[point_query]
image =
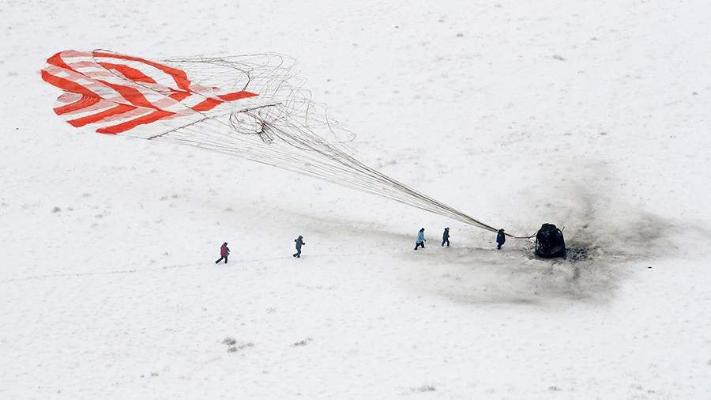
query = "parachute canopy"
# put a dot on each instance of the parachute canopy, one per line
(246, 106)
(117, 93)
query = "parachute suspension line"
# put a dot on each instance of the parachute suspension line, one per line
(297, 149)
(282, 134)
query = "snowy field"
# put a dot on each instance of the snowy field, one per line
(593, 115)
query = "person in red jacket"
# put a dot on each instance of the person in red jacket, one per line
(224, 252)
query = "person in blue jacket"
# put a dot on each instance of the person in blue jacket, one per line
(500, 239)
(420, 242)
(299, 242)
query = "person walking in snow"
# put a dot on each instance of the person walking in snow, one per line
(445, 237)
(500, 239)
(420, 242)
(224, 252)
(299, 242)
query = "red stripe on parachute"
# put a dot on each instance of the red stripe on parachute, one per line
(118, 92)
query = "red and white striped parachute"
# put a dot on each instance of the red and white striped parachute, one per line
(117, 93)
(246, 106)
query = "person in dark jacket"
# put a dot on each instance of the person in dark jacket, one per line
(299, 242)
(445, 237)
(500, 239)
(420, 242)
(224, 252)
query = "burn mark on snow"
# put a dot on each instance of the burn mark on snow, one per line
(606, 238)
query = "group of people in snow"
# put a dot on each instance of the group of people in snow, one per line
(419, 242)
(225, 251)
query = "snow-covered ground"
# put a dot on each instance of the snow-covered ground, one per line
(592, 115)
